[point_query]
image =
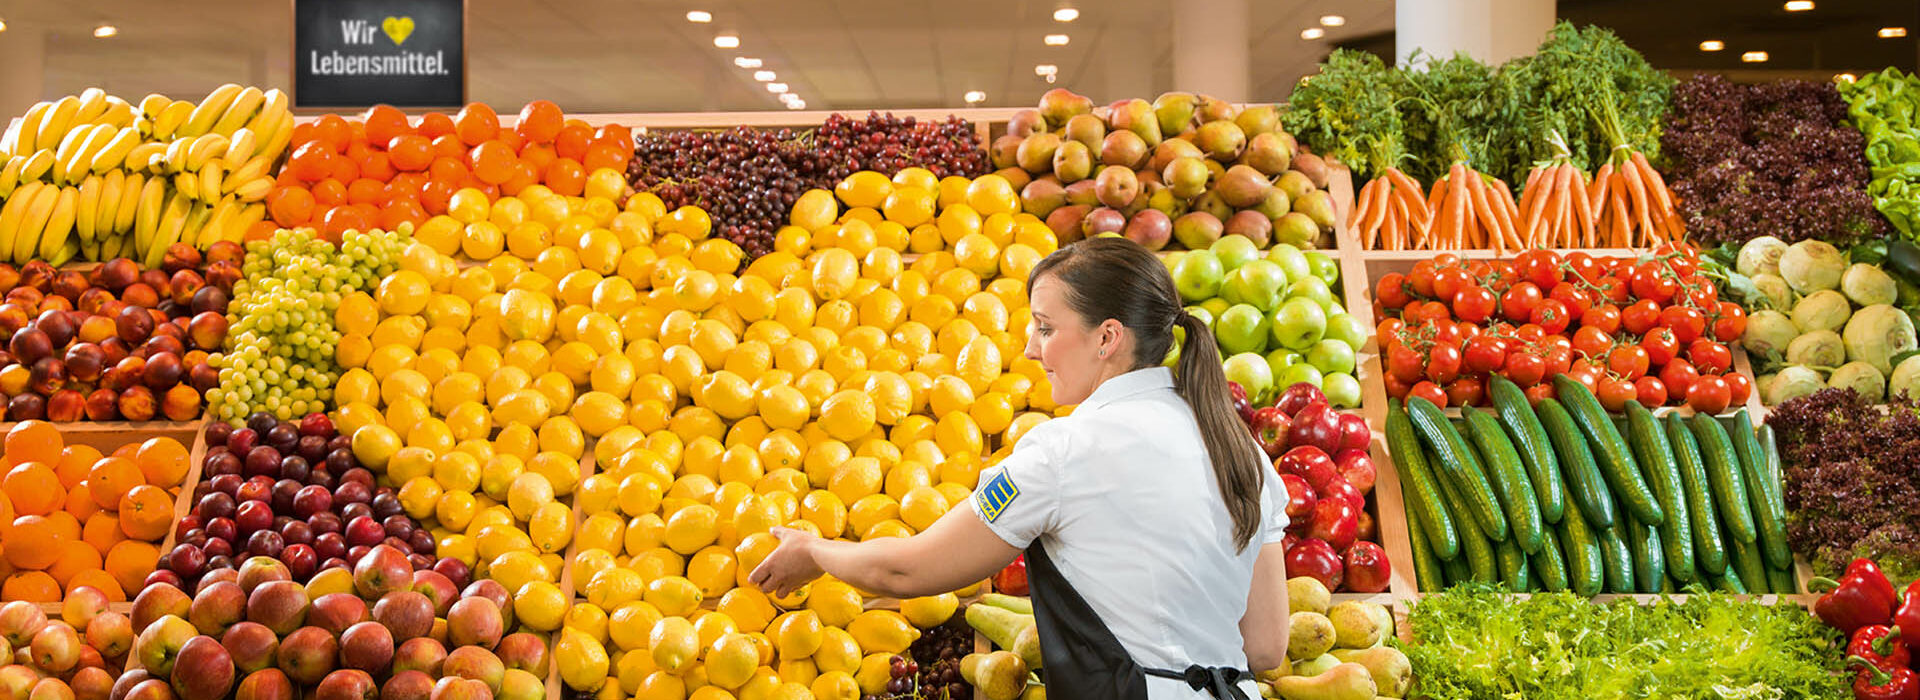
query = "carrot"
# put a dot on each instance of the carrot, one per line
(1405, 188)
(1507, 211)
(1365, 228)
(1527, 195)
(1461, 208)
(1563, 215)
(1535, 207)
(1621, 222)
(1401, 212)
(1395, 220)
(1583, 213)
(1377, 206)
(1597, 190)
(1483, 208)
(1656, 185)
(1637, 190)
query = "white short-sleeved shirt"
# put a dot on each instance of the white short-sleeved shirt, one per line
(1123, 495)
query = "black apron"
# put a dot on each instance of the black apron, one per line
(1084, 661)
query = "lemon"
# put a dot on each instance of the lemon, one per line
(797, 634)
(673, 595)
(930, 611)
(590, 563)
(731, 660)
(657, 563)
(551, 527)
(836, 602)
(872, 510)
(835, 685)
(418, 496)
(957, 434)
(865, 188)
(712, 570)
(692, 528)
(748, 608)
(517, 569)
(582, 660)
(661, 685)
(630, 623)
(588, 619)
(374, 445)
(614, 588)
(527, 494)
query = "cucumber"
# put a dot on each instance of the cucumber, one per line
(1509, 479)
(1709, 553)
(1585, 487)
(1550, 565)
(1455, 460)
(1426, 568)
(1530, 438)
(1649, 563)
(1618, 558)
(1769, 513)
(1513, 565)
(1585, 563)
(1655, 455)
(1473, 544)
(1772, 451)
(1723, 473)
(1456, 572)
(1747, 559)
(1609, 450)
(1423, 495)
(1781, 581)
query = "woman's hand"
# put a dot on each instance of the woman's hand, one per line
(790, 566)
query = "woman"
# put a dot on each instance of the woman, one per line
(1152, 537)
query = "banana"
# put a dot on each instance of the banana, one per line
(14, 212)
(10, 176)
(273, 106)
(281, 137)
(64, 155)
(144, 156)
(110, 192)
(204, 149)
(252, 214)
(114, 154)
(55, 123)
(253, 168)
(210, 232)
(147, 216)
(26, 240)
(171, 225)
(82, 162)
(91, 249)
(24, 132)
(241, 146)
(119, 113)
(169, 120)
(244, 106)
(152, 105)
(209, 110)
(130, 196)
(210, 177)
(93, 103)
(37, 165)
(65, 254)
(60, 227)
(252, 190)
(187, 184)
(86, 216)
(176, 158)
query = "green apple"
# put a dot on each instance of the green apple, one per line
(1324, 266)
(1203, 313)
(1197, 276)
(1172, 360)
(1234, 251)
(1291, 260)
(1331, 356)
(1281, 358)
(1296, 374)
(1347, 329)
(1171, 258)
(1335, 309)
(1342, 390)
(1298, 324)
(1259, 282)
(1311, 288)
(1216, 306)
(1242, 329)
(1250, 371)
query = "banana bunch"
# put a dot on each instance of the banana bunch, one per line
(91, 175)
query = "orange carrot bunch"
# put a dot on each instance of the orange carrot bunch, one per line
(1625, 204)
(1464, 209)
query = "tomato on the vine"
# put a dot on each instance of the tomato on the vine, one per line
(1591, 342)
(1530, 332)
(1731, 324)
(1443, 363)
(1710, 357)
(1389, 327)
(1577, 301)
(1679, 376)
(1628, 361)
(1448, 283)
(1614, 289)
(1467, 391)
(1641, 317)
(1475, 304)
(1551, 316)
(1687, 323)
(1539, 391)
(1431, 392)
(1420, 278)
(1710, 394)
(1614, 393)
(1678, 258)
(1585, 267)
(1449, 333)
(1396, 388)
(1484, 354)
(1650, 391)
(1391, 290)
(1702, 294)
(1605, 317)
(1519, 302)
(1407, 365)
(1661, 345)
(1740, 387)
(1650, 282)
(1524, 369)
(1421, 313)
(1589, 377)
(1559, 360)
(1541, 267)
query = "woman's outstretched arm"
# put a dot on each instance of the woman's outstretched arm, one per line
(958, 550)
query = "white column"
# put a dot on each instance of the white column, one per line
(23, 50)
(1489, 30)
(1210, 50)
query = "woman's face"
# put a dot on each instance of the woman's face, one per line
(1069, 348)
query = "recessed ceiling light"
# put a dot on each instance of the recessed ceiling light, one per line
(1332, 21)
(1057, 39)
(1754, 57)
(699, 16)
(1846, 77)
(745, 62)
(1066, 14)
(1892, 32)
(1799, 5)
(763, 75)
(797, 104)
(3, 25)
(1712, 45)
(776, 87)
(976, 96)
(1046, 69)
(105, 30)
(1311, 33)
(727, 41)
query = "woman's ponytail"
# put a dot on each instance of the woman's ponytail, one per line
(1238, 465)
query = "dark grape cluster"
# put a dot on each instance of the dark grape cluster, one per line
(931, 670)
(747, 179)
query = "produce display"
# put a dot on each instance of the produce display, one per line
(1337, 650)
(1321, 457)
(1820, 322)
(1476, 642)
(1849, 492)
(79, 519)
(93, 177)
(1884, 106)
(78, 652)
(1650, 328)
(1185, 169)
(1274, 317)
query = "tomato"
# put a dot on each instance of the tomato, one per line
(1421, 278)
(1679, 376)
(1443, 362)
(1539, 391)
(1710, 395)
(1406, 364)
(1731, 324)
(1448, 283)
(1710, 357)
(1449, 333)
(1518, 303)
(1425, 312)
(1628, 361)
(1524, 369)
(1576, 300)
(1650, 391)
(1661, 346)
(1641, 317)
(1484, 354)
(1703, 295)
(1585, 267)
(1589, 377)
(1429, 391)
(1591, 342)
(1392, 290)
(1474, 304)
(1469, 331)
(1467, 391)
(1543, 269)
(1551, 316)
(1556, 342)
(1740, 386)
(1396, 388)
(1650, 282)
(1531, 333)
(1605, 317)
(1687, 323)
(1559, 360)
(1613, 289)
(1389, 328)
(1615, 393)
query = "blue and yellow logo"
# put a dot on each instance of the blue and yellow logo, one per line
(998, 493)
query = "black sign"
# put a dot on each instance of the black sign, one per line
(358, 53)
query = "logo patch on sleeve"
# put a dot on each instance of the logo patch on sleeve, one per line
(996, 496)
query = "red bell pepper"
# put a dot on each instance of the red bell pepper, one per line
(1874, 683)
(1881, 646)
(1863, 596)
(1907, 618)
(1012, 580)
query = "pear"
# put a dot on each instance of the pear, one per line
(1083, 192)
(1102, 220)
(1389, 668)
(1258, 120)
(1186, 176)
(1197, 230)
(1211, 203)
(1036, 151)
(1116, 186)
(1087, 129)
(1015, 176)
(1342, 682)
(1000, 675)
(1170, 149)
(1355, 627)
(1309, 634)
(1151, 228)
(1161, 199)
(1060, 104)
(1136, 116)
(1267, 153)
(1318, 206)
(1043, 195)
(1295, 184)
(1315, 666)
(1026, 122)
(1276, 204)
(1123, 148)
(1243, 187)
(1222, 141)
(1065, 222)
(1072, 162)
(1296, 230)
(1174, 110)
(1308, 594)
(1213, 109)
(1006, 151)
(1314, 167)
(1252, 225)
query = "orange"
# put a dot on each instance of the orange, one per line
(493, 162)
(34, 489)
(99, 578)
(75, 462)
(145, 513)
(476, 123)
(384, 122)
(540, 121)
(80, 501)
(75, 557)
(130, 561)
(111, 479)
(34, 441)
(65, 525)
(6, 513)
(411, 153)
(565, 176)
(573, 140)
(163, 461)
(434, 124)
(34, 543)
(102, 531)
(30, 586)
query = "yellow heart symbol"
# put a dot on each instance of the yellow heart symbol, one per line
(398, 29)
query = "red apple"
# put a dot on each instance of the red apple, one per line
(1354, 433)
(523, 651)
(266, 684)
(1334, 520)
(1356, 466)
(367, 646)
(160, 643)
(1300, 498)
(308, 655)
(384, 570)
(1317, 425)
(281, 606)
(1310, 463)
(477, 664)
(1296, 398)
(217, 607)
(1270, 427)
(347, 684)
(1367, 569)
(204, 670)
(1316, 559)
(438, 589)
(151, 689)
(1339, 488)
(425, 654)
(111, 633)
(20, 620)
(56, 648)
(406, 614)
(251, 645)
(335, 612)
(155, 602)
(475, 621)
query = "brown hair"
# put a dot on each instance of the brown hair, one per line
(1115, 278)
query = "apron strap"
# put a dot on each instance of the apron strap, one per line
(1220, 682)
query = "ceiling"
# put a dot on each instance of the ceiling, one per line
(643, 56)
